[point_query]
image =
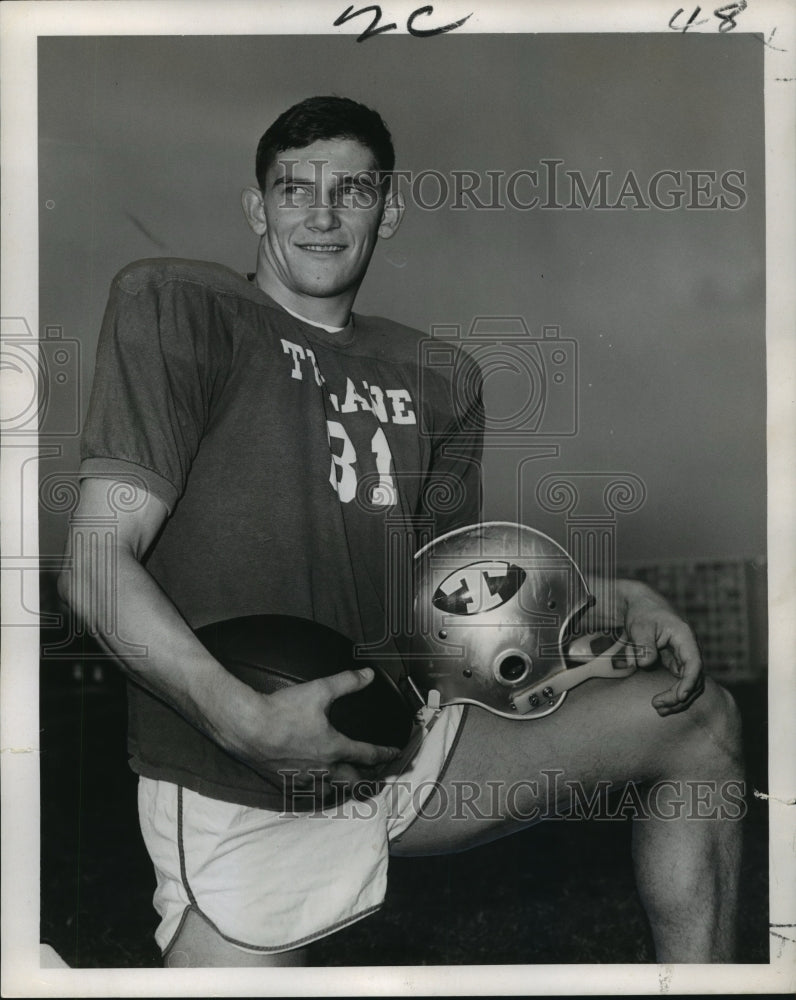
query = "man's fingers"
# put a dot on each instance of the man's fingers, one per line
(355, 751)
(666, 700)
(348, 681)
(687, 665)
(644, 648)
(695, 692)
(676, 698)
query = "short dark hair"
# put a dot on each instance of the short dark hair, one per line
(325, 118)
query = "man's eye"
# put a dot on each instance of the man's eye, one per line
(297, 192)
(355, 195)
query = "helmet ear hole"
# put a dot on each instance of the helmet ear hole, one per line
(513, 667)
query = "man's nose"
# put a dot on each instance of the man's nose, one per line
(322, 217)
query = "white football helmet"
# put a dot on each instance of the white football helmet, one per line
(496, 611)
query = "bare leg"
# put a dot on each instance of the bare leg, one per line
(198, 945)
(506, 774)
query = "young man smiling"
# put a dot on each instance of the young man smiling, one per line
(319, 212)
(266, 435)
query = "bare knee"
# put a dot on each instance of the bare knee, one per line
(713, 734)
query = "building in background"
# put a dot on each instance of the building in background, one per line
(725, 602)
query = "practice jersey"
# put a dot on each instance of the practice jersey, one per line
(297, 466)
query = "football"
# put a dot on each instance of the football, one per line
(269, 652)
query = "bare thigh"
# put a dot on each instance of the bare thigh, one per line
(506, 774)
(199, 945)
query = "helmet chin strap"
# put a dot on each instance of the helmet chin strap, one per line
(546, 695)
(610, 663)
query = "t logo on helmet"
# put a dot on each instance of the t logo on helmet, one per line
(481, 586)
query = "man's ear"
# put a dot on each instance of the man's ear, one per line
(254, 210)
(391, 215)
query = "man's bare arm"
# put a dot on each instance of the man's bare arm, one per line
(285, 730)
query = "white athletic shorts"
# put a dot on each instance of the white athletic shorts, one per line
(272, 881)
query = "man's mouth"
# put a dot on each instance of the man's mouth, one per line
(322, 247)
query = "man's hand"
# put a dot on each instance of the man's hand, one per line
(287, 737)
(658, 632)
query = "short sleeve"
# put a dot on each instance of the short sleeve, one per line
(149, 399)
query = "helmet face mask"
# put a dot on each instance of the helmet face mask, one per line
(495, 604)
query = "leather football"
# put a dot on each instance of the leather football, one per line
(269, 652)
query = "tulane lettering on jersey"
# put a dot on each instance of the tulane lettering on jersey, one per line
(389, 406)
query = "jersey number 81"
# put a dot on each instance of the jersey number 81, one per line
(342, 475)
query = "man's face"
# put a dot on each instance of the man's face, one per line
(322, 213)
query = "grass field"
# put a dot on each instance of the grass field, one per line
(560, 892)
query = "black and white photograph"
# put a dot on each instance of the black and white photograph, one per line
(398, 445)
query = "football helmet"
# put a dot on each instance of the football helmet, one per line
(498, 622)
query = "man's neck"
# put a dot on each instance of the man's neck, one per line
(333, 311)
(323, 326)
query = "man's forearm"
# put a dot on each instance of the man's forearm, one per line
(118, 601)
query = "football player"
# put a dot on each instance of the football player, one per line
(251, 447)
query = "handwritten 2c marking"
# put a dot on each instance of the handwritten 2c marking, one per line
(377, 28)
